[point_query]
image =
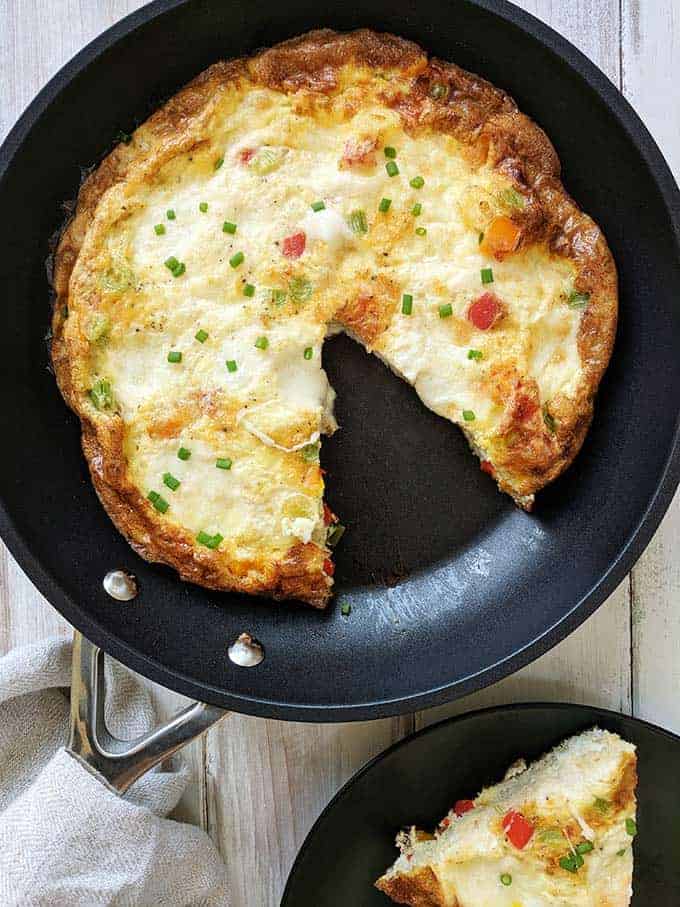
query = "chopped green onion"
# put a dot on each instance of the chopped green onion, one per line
(223, 463)
(97, 328)
(475, 354)
(421, 231)
(384, 205)
(584, 847)
(480, 238)
(357, 222)
(124, 137)
(417, 182)
(438, 91)
(279, 297)
(174, 356)
(417, 209)
(228, 227)
(549, 420)
(601, 805)
(176, 268)
(183, 453)
(310, 453)
(300, 289)
(468, 415)
(446, 310)
(236, 259)
(201, 336)
(262, 343)
(551, 836)
(578, 300)
(506, 879)
(203, 207)
(249, 290)
(620, 853)
(392, 169)
(390, 152)
(572, 863)
(406, 304)
(158, 502)
(159, 229)
(267, 159)
(318, 206)
(486, 275)
(231, 365)
(631, 827)
(170, 214)
(171, 481)
(101, 394)
(308, 353)
(335, 533)
(210, 541)
(512, 198)
(346, 609)
(219, 162)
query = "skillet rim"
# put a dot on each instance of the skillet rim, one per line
(499, 711)
(639, 536)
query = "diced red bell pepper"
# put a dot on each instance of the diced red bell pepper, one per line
(293, 246)
(487, 467)
(245, 155)
(461, 807)
(328, 567)
(485, 311)
(518, 829)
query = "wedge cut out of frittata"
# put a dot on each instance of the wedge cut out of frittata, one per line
(556, 834)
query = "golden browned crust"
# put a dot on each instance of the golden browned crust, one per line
(418, 889)
(481, 116)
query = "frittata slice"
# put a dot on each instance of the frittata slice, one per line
(557, 834)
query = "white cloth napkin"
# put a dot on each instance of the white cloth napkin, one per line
(67, 839)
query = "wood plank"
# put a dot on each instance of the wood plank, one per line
(267, 783)
(30, 55)
(650, 53)
(580, 669)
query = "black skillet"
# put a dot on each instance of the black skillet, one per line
(451, 587)
(417, 780)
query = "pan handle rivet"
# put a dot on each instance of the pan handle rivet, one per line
(120, 585)
(246, 652)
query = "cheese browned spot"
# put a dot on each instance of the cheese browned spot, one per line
(495, 256)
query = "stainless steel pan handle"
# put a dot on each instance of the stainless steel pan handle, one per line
(122, 762)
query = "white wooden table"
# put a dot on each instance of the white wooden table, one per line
(258, 785)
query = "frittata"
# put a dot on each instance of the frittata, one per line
(333, 182)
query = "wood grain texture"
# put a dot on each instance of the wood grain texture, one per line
(258, 785)
(650, 52)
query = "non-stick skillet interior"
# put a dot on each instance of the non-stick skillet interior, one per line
(450, 586)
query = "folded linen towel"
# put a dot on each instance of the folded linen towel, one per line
(66, 837)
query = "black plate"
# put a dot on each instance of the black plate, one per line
(451, 586)
(416, 781)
